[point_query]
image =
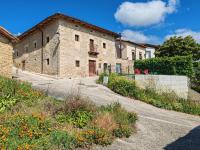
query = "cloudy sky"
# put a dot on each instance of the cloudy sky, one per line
(144, 21)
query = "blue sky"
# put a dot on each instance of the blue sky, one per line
(149, 21)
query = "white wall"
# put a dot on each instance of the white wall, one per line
(152, 52)
(165, 83)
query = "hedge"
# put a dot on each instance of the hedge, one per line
(179, 65)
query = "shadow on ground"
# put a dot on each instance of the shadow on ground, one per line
(189, 142)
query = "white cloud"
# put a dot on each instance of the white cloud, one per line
(139, 37)
(184, 33)
(145, 13)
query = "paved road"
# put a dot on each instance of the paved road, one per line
(157, 128)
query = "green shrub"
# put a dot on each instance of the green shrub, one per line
(179, 65)
(168, 100)
(123, 131)
(12, 91)
(196, 79)
(94, 135)
(63, 140)
(121, 85)
(24, 132)
(77, 118)
(101, 76)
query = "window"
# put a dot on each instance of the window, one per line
(104, 45)
(118, 68)
(77, 38)
(140, 55)
(47, 39)
(47, 61)
(17, 53)
(35, 44)
(26, 48)
(77, 63)
(133, 55)
(99, 65)
(91, 42)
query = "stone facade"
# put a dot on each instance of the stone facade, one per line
(68, 52)
(28, 52)
(5, 57)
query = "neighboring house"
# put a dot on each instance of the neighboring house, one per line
(6, 52)
(131, 51)
(67, 47)
(150, 50)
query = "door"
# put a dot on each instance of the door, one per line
(23, 65)
(118, 68)
(92, 67)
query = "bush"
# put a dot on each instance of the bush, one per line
(196, 79)
(94, 135)
(168, 101)
(12, 91)
(62, 140)
(179, 65)
(78, 118)
(123, 131)
(121, 85)
(24, 132)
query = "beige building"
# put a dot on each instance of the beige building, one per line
(6, 50)
(67, 47)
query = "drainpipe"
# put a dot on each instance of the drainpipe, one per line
(42, 50)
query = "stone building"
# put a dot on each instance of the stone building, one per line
(67, 47)
(6, 52)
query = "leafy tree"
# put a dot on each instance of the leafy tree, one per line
(179, 46)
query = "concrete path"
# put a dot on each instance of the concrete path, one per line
(157, 128)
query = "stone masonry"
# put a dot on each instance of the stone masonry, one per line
(66, 49)
(6, 60)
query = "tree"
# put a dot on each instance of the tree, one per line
(179, 46)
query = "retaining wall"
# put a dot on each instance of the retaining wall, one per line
(180, 85)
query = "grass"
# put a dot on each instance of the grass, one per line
(31, 120)
(170, 101)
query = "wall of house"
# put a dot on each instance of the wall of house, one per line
(6, 61)
(134, 48)
(72, 51)
(32, 58)
(150, 52)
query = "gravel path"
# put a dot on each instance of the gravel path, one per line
(157, 128)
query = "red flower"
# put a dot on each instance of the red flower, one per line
(138, 71)
(146, 71)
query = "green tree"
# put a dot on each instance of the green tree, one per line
(179, 46)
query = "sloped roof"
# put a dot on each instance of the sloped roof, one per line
(131, 42)
(56, 16)
(7, 34)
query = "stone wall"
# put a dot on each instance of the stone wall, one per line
(72, 51)
(164, 83)
(32, 58)
(63, 51)
(5, 57)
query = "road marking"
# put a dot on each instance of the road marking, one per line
(164, 121)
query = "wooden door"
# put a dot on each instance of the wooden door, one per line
(23, 65)
(92, 67)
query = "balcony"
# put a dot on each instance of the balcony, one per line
(93, 49)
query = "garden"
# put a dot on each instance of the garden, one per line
(31, 120)
(127, 87)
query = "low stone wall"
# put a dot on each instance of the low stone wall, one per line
(180, 85)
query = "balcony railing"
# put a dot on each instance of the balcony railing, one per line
(93, 49)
